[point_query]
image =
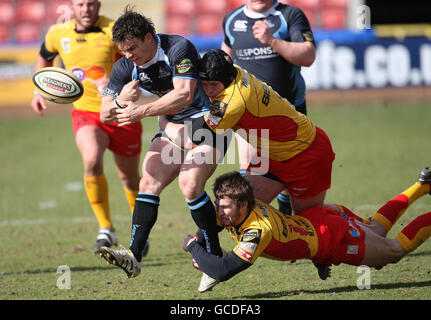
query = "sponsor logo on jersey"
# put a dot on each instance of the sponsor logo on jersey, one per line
(93, 73)
(218, 108)
(270, 24)
(308, 35)
(248, 246)
(184, 65)
(110, 93)
(79, 73)
(251, 235)
(352, 249)
(256, 53)
(240, 25)
(144, 78)
(65, 44)
(246, 250)
(246, 255)
(211, 120)
(354, 232)
(263, 209)
(298, 191)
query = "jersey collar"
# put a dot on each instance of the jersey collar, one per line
(260, 15)
(93, 28)
(159, 56)
(239, 226)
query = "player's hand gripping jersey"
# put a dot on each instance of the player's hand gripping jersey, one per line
(254, 106)
(89, 55)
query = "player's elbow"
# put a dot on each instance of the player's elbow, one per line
(309, 57)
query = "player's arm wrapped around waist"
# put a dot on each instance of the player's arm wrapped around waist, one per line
(193, 132)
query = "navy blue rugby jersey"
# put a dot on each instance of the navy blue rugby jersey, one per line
(176, 57)
(287, 23)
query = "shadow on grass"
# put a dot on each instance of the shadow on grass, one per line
(285, 293)
(151, 262)
(418, 254)
(54, 270)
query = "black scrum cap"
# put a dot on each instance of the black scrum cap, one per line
(216, 65)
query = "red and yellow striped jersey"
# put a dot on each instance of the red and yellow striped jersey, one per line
(268, 120)
(269, 233)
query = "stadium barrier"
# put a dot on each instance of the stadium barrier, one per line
(359, 59)
(345, 60)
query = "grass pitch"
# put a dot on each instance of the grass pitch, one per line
(46, 224)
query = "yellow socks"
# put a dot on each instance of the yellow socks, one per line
(415, 233)
(131, 197)
(393, 209)
(97, 192)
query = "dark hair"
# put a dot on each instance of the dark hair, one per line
(132, 24)
(236, 187)
(217, 65)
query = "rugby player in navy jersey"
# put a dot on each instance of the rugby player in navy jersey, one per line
(165, 65)
(272, 41)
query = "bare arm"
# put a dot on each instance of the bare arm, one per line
(38, 103)
(298, 53)
(171, 103)
(107, 110)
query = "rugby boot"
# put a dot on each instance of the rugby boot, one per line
(324, 270)
(425, 176)
(122, 258)
(105, 238)
(207, 283)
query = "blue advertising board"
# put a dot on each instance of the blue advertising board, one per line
(358, 59)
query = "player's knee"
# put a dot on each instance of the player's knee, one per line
(93, 167)
(394, 251)
(190, 188)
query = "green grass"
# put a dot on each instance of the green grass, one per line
(43, 224)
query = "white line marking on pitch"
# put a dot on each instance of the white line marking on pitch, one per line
(32, 222)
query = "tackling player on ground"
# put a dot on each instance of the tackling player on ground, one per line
(295, 154)
(328, 234)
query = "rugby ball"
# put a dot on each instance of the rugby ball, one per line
(57, 85)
